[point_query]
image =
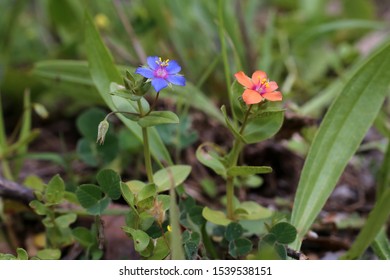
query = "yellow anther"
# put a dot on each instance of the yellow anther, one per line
(162, 62)
(169, 228)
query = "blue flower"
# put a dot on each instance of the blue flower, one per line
(162, 73)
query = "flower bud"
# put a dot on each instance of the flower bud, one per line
(102, 131)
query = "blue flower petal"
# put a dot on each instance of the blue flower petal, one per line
(173, 67)
(146, 72)
(159, 84)
(177, 80)
(152, 62)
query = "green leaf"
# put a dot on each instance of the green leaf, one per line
(239, 106)
(21, 254)
(338, 138)
(141, 238)
(164, 199)
(65, 220)
(127, 194)
(39, 207)
(92, 198)
(49, 254)
(83, 236)
(216, 217)
(147, 191)
(109, 181)
(263, 126)
(161, 250)
(248, 170)
(171, 176)
(231, 126)
(209, 155)
(377, 218)
(250, 210)
(195, 214)
(233, 231)
(284, 232)
(191, 250)
(135, 186)
(240, 247)
(281, 251)
(381, 245)
(103, 72)
(55, 190)
(384, 174)
(158, 117)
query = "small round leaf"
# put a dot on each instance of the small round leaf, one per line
(285, 233)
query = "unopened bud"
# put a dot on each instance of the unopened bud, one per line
(40, 110)
(102, 131)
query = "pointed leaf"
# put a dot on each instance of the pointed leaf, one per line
(248, 170)
(338, 138)
(208, 156)
(64, 221)
(55, 190)
(158, 117)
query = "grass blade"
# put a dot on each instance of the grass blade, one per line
(371, 229)
(338, 138)
(381, 245)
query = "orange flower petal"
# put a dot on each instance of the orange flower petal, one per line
(244, 79)
(273, 96)
(272, 86)
(258, 76)
(251, 97)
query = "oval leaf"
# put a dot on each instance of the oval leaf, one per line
(240, 247)
(216, 217)
(158, 117)
(285, 233)
(233, 231)
(147, 191)
(208, 155)
(64, 221)
(171, 176)
(263, 126)
(49, 254)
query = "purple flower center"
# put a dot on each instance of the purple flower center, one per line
(261, 87)
(161, 72)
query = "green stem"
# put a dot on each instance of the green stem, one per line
(221, 32)
(145, 137)
(148, 160)
(6, 170)
(153, 104)
(233, 159)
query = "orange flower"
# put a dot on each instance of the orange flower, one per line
(258, 88)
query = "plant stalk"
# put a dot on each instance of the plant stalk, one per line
(145, 137)
(233, 159)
